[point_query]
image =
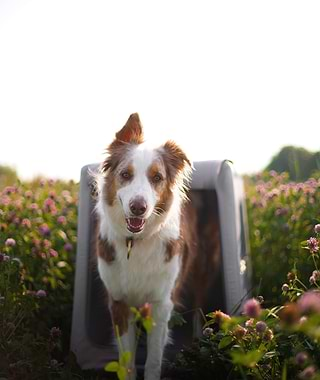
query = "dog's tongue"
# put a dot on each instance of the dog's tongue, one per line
(135, 224)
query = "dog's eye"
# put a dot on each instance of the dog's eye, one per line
(125, 175)
(157, 178)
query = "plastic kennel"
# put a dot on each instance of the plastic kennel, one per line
(219, 196)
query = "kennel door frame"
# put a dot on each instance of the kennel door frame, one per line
(221, 177)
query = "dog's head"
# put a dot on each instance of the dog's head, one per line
(140, 184)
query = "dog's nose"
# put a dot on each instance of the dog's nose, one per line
(138, 206)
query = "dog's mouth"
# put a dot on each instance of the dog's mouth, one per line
(135, 225)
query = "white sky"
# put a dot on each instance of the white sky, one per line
(225, 79)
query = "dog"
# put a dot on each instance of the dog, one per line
(145, 235)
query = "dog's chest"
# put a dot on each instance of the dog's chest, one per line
(146, 276)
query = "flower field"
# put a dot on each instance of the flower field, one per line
(38, 223)
(276, 337)
(281, 215)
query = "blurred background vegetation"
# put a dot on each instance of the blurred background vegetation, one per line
(8, 176)
(299, 163)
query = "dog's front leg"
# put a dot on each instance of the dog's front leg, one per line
(157, 339)
(124, 326)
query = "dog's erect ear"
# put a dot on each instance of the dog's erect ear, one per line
(175, 159)
(132, 131)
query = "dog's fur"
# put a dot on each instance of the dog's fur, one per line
(142, 200)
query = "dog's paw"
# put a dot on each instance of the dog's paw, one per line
(152, 374)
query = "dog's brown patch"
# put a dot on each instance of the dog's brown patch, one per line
(132, 131)
(174, 159)
(110, 188)
(188, 249)
(116, 180)
(120, 316)
(156, 169)
(162, 186)
(105, 250)
(130, 134)
(201, 258)
(177, 167)
(173, 248)
(165, 200)
(129, 171)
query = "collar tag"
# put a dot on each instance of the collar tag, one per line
(129, 243)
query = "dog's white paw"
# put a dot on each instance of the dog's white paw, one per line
(152, 374)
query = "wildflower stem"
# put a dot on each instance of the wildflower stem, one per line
(138, 335)
(196, 309)
(17, 322)
(74, 375)
(119, 340)
(243, 375)
(301, 283)
(296, 289)
(314, 262)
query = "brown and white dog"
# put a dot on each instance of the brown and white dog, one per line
(141, 197)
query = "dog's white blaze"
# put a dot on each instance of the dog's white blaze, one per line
(141, 159)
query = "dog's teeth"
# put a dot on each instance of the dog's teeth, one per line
(135, 224)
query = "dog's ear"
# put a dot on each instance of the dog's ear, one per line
(131, 133)
(176, 161)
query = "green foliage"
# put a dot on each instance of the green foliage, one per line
(8, 176)
(143, 316)
(176, 319)
(248, 359)
(280, 215)
(299, 163)
(262, 344)
(37, 251)
(120, 367)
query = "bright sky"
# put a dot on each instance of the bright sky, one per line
(225, 79)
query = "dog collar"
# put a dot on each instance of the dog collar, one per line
(129, 244)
